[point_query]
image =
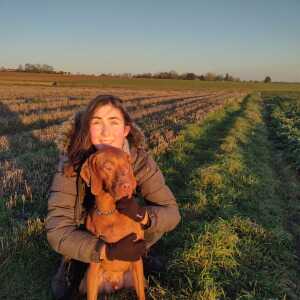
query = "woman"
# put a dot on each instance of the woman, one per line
(104, 121)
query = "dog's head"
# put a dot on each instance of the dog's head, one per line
(109, 170)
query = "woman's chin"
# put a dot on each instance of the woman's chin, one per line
(98, 146)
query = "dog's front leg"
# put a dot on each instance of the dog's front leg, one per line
(92, 281)
(138, 279)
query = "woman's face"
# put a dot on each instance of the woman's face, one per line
(107, 126)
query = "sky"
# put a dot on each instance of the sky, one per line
(248, 39)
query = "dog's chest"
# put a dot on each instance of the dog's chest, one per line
(115, 227)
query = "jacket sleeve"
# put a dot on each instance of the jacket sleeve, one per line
(63, 234)
(162, 208)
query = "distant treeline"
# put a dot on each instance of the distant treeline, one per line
(210, 76)
(188, 76)
(35, 68)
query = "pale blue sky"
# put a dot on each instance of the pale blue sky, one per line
(249, 39)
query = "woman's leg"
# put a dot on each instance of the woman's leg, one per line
(65, 283)
(58, 282)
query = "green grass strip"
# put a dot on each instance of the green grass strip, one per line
(284, 121)
(232, 242)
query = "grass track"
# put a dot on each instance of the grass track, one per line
(233, 242)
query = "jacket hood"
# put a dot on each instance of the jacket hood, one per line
(135, 138)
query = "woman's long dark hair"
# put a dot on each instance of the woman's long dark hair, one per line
(80, 145)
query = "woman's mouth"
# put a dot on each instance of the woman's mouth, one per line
(106, 142)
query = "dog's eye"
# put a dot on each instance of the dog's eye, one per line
(108, 166)
(125, 171)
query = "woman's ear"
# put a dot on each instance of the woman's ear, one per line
(126, 130)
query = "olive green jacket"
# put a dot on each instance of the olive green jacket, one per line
(65, 204)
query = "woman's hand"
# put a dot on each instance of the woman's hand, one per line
(126, 249)
(130, 208)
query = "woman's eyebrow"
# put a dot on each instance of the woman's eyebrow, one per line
(114, 118)
(110, 118)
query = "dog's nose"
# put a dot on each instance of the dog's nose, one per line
(125, 187)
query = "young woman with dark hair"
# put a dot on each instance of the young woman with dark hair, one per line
(104, 121)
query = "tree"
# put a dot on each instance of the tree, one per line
(38, 68)
(210, 76)
(173, 74)
(190, 76)
(267, 79)
(219, 77)
(228, 77)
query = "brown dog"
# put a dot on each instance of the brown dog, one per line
(109, 174)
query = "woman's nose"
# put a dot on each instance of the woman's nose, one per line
(105, 131)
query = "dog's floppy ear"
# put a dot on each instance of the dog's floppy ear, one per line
(91, 177)
(96, 184)
(85, 173)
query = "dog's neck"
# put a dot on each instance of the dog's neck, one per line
(105, 204)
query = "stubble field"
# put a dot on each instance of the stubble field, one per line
(232, 160)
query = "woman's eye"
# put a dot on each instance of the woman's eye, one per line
(95, 123)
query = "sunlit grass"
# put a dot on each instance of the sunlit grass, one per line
(234, 197)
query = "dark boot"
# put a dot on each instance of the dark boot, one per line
(58, 282)
(153, 262)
